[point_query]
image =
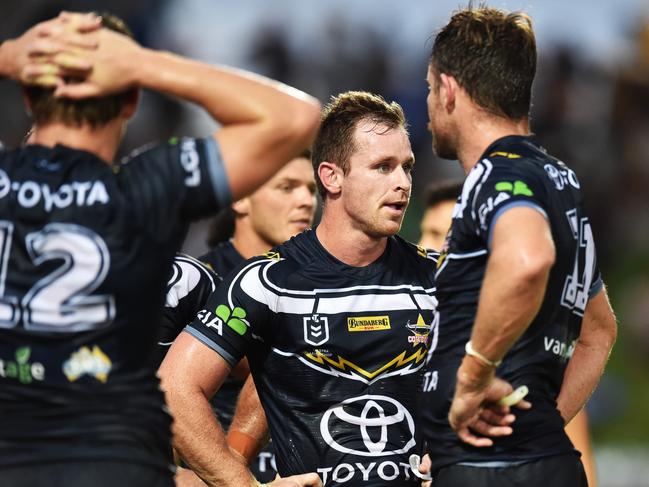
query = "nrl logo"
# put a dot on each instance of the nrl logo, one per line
(316, 329)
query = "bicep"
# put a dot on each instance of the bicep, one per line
(192, 365)
(523, 234)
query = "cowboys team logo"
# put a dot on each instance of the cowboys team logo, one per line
(369, 426)
(419, 330)
(316, 329)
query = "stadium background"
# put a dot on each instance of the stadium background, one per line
(590, 108)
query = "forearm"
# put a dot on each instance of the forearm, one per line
(189, 375)
(592, 349)
(201, 443)
(582, 376)
(231, 96)
(249, 430)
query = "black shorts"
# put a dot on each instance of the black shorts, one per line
(85, 474)
(556, 471)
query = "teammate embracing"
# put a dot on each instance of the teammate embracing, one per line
(335, 322)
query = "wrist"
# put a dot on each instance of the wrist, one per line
(480, 357)
(143, 62)
(473, 374)
(244, 446)
(7, 60)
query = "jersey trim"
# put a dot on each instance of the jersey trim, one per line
(218, 175)
(257, 285)
(211, 344)
(596, 287)
(508, 206)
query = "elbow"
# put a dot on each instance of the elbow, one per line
(305, 122)
(297, 125)
(535, 268)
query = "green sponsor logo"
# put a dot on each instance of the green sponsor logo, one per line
(516, 188)
(173, 140)
(235, 318)
(21, 369)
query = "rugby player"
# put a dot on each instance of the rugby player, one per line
(87, 245)
(439, 200)
(521, 299)
(335, 322)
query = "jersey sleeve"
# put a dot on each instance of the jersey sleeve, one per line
(183, 179)
(188, 288)
(505, 186)
(236, 314)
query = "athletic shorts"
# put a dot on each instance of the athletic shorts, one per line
(556, 471)
(85, 474)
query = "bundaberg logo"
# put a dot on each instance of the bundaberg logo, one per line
(368, 323)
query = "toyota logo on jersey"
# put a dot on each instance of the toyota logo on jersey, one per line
(367, 426)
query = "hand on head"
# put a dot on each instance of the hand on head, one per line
(55, 49)
(75, 55)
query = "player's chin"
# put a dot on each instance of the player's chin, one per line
(389, 227)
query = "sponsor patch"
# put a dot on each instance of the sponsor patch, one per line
(22, 369)
(368, 323)
(235, 318)
(88, 362)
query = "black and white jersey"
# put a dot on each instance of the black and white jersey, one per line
(188, 288)
(85, 252)
(336, 353)
(222, 258)
(513, 172)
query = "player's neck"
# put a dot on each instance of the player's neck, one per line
(102, 141)
(348, 244)
(248, 243)
(481, 132)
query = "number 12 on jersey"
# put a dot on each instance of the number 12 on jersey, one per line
(61, 301)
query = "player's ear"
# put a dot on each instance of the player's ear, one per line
(448, 91)
(241, 207)
(27, 100)
(132, 101)
(331, 177)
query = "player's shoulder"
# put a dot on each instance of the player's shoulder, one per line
(413, 252)
(519, 156)
(190, 272)
(275, 267)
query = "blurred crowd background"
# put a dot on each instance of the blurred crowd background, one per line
(590, 108)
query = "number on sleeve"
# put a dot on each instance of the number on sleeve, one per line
(577, 285)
